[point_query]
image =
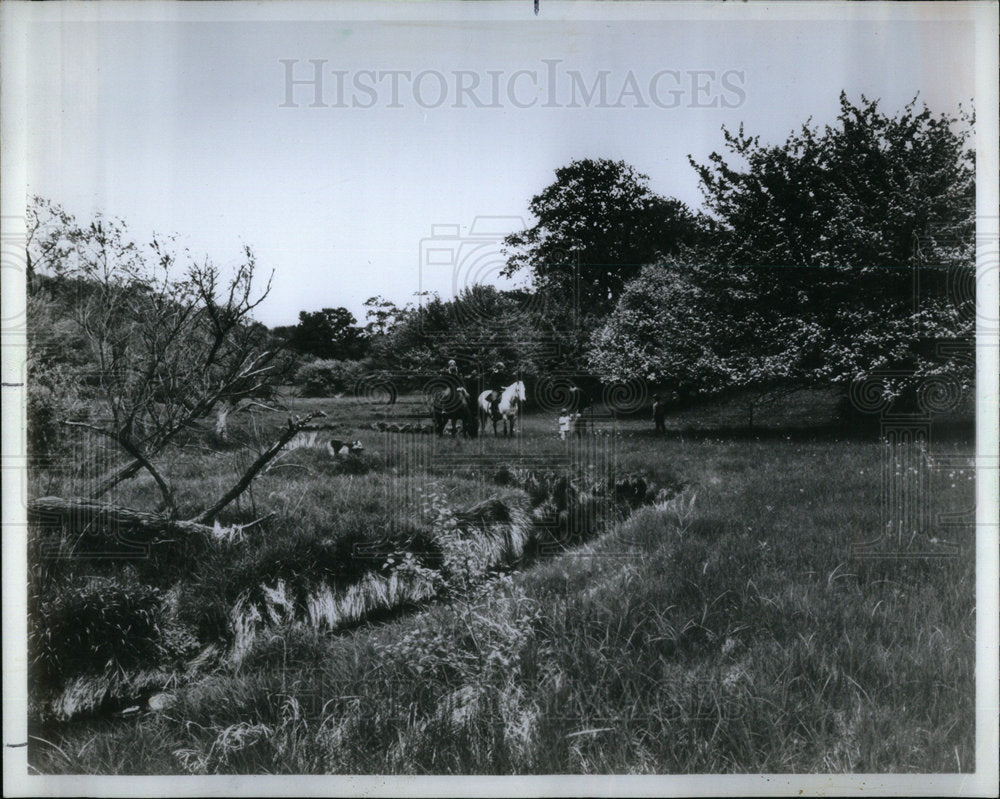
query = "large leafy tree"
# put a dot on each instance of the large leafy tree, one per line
(862, 232)
(837, 255)
(327, 333)
(597, 224)
(851, 196)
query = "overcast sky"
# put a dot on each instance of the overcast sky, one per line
(184, 122)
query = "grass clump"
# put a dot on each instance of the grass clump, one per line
(100, 623)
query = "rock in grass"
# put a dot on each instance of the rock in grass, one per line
(161, 701)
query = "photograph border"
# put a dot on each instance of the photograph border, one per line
(15, 15)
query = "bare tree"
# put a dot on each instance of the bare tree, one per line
(168, 342)
(51, 234)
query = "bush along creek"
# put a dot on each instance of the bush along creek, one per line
(117, 619)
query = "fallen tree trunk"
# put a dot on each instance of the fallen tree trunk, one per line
(80, 515)
(86, 515)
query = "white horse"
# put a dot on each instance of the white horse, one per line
(509, 407)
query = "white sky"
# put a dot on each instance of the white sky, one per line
(176, 125)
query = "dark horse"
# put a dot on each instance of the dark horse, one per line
(454, 404)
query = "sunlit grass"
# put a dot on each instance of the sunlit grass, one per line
(734, 628)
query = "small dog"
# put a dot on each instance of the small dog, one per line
(341, 449)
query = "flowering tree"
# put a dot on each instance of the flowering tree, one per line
(841, 253)
(862, 233)
(670, 332)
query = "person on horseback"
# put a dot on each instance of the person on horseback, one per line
(496, 382)
(456, 380)
(452, 401)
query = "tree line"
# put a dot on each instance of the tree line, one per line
(846, 251)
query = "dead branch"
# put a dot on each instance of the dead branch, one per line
(80, 514)
(294, 426)
(131, 449)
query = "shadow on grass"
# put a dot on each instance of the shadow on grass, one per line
(960, 430)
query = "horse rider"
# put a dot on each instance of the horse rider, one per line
(496, 382)
(455, 377)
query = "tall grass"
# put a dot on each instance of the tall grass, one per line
(728, 628)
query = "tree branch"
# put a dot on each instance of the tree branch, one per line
(135, 452)
(294, 426)
(120, 476)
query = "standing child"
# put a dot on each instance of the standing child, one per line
(565, 421)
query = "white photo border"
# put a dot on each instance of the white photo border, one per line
(15, 17)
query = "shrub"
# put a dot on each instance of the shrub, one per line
(101, 623)
(322, 378)
(51, 399)
(43, 419)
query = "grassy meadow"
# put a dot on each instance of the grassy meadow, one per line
(449, 606)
